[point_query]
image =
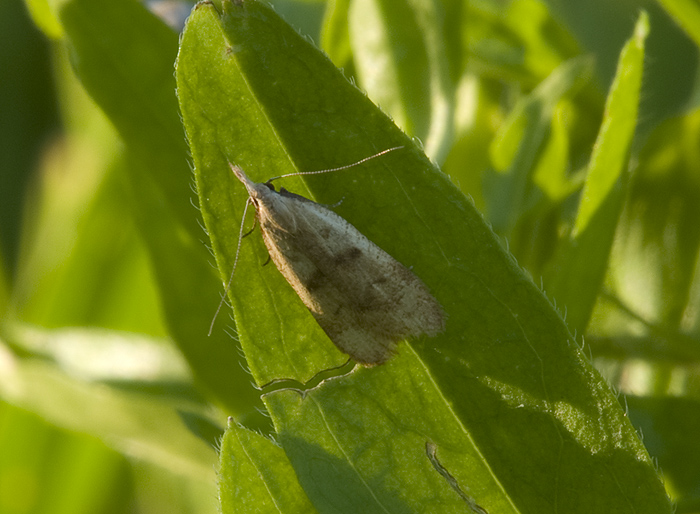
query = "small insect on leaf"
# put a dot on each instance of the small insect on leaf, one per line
(364, 299)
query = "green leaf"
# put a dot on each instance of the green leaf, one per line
(71, 378)
(124, 57)
(654, 260)
(516, 42)
(407, 55)
(685, 13)
(46, 469)
(256, 476)
(577, 271)
(551, 174)
(69, 274)
(28, 116)
(517, 147)
(669, 426)
(602, 27)
(335, 36)
(502, 411)
(358, 444)
(270, 320)
(44, 17)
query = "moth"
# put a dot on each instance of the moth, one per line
(364, 299)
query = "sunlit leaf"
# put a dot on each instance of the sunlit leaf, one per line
(481, 403)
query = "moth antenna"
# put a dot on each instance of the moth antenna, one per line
(235, 263)
(339, 168)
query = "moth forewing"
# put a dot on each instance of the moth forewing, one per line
(364, 299)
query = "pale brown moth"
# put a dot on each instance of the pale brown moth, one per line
(363, 298)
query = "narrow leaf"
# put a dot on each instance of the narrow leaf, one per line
(406, 57)
(75, 383)
(687, 14)
(577, 271)
(518, 145)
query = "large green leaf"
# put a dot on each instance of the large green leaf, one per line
(124, 56)
(501, 412)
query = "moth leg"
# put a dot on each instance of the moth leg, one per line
(255, 224)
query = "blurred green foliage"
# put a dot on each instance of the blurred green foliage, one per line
(112, 398)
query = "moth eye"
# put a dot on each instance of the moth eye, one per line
(270, 186)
